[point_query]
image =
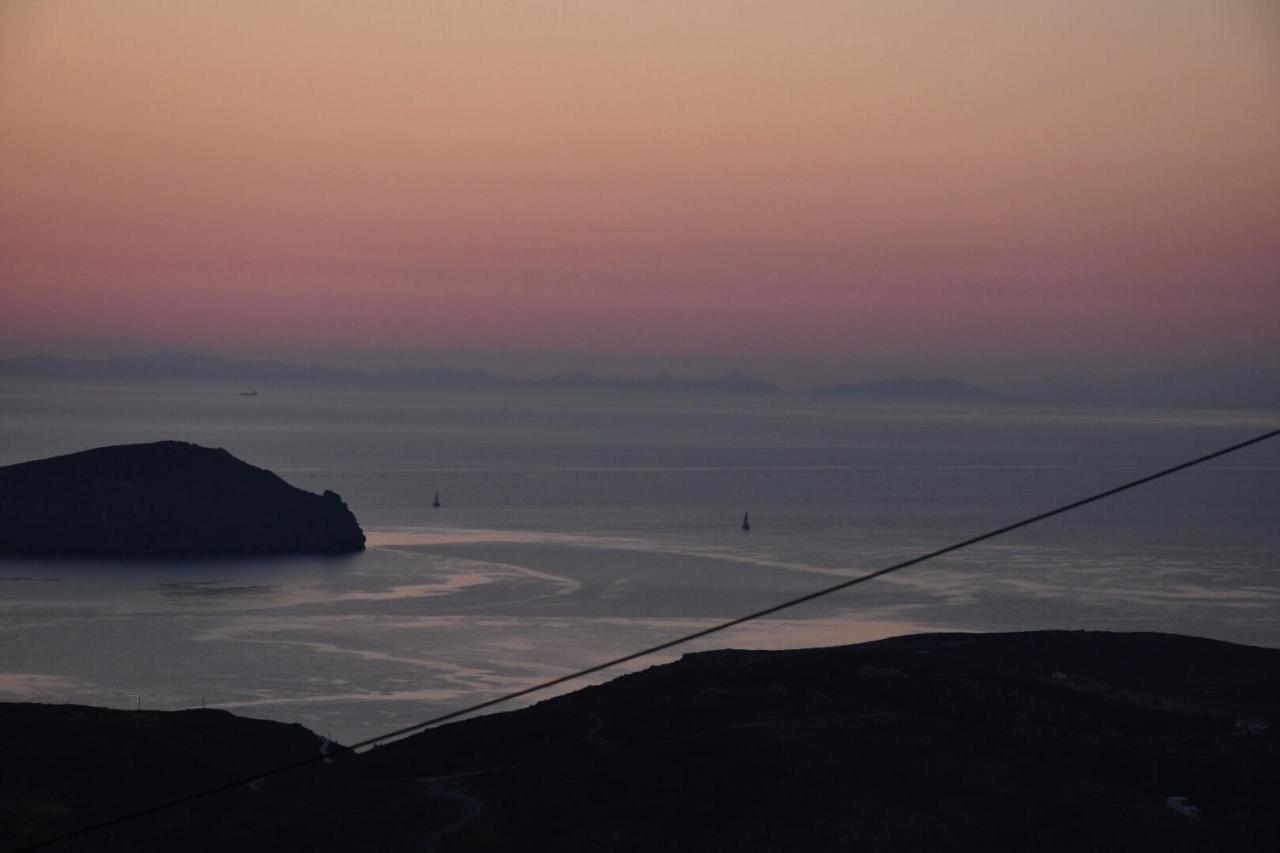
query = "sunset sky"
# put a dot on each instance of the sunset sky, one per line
(924, 184)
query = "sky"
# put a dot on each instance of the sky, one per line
(948, 188)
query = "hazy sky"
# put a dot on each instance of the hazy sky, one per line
(934, 184)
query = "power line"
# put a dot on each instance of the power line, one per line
(627, 658)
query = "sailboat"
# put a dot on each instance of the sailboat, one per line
(435, 502)
(746, 522)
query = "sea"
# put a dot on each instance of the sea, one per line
(577, 526)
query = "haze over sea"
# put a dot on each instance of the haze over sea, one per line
(580, 525)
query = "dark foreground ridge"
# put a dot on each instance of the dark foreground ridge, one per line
(1047, 741)
(167, 499)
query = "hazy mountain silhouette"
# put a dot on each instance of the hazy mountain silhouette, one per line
(1205, 386)
(171, 366)
(180, 367)
(663, 382)
(906, 387)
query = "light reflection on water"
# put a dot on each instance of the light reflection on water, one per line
(579, 529)
(412, 629)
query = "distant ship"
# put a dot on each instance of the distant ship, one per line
(435, 502)
(746, 522)
(248, 393)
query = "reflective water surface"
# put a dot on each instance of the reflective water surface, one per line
(579, 526)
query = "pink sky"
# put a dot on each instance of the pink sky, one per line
(942, 183)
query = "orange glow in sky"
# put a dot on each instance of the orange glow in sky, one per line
(994, 178)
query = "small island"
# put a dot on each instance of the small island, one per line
(165, 499)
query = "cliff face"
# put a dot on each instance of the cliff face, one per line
(167, 499)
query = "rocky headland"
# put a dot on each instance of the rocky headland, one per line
(164, 499)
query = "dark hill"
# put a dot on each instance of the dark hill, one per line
(1038, 741)
(168, 499)
(1046, 741)
(69, 765)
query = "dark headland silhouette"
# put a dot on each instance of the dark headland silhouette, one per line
(1046, 741)
(166, 499)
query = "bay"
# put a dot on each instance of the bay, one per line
(580, 525)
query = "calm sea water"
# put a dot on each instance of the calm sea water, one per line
(577, 526)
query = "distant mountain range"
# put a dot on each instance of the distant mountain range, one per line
(189, 366)
(186, 367)
(905, 386)
(180, 366)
